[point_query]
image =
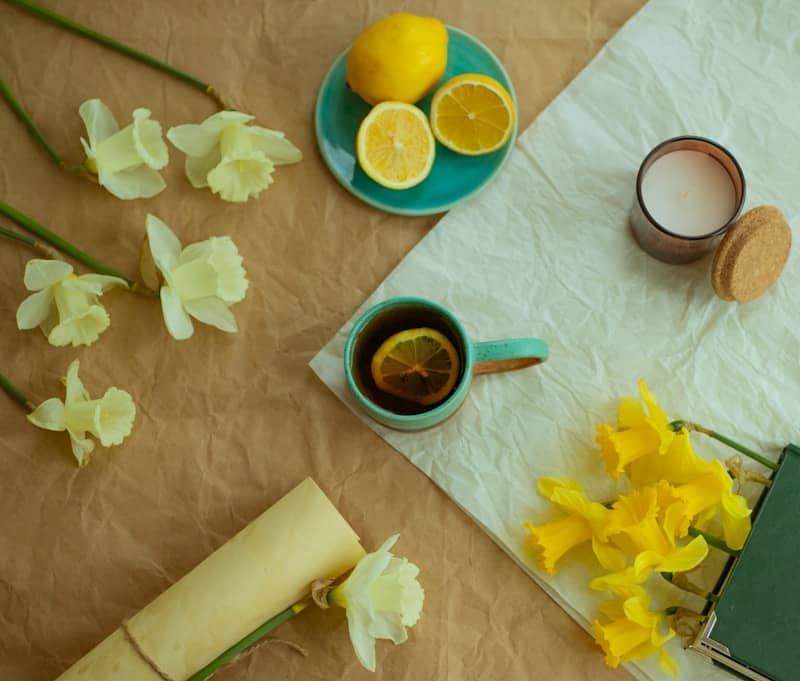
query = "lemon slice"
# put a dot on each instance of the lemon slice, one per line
(472, 114)
(395, 146)
(419, 365)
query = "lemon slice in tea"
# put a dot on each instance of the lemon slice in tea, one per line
(420, 365)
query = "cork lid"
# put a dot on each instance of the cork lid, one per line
(752, 255)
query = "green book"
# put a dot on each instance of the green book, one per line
(754, 628)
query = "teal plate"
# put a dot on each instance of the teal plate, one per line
(453, 178)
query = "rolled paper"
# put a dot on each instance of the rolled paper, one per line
(262, 571)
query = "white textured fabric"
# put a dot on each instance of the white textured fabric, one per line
(546, 251)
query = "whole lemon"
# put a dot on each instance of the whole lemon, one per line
(399, 59)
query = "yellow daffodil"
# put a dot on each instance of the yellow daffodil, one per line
(645, 527)
(585, 521)
(633, 632)
(64, 306)
(202, 280)
(712, 493)
(233, 158)
(109, 419)
(679, 464)
(639, 433)
(382, 597)
(125, 161)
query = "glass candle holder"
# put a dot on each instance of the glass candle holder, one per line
(689, 191)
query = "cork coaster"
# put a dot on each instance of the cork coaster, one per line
(752, 255)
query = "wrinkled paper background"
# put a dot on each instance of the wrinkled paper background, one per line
(546, 252)
(228, 424)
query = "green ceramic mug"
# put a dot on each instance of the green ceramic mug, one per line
(399, 314)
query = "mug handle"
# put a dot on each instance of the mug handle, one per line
(492, 357)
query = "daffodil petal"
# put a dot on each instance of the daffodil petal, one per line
(735, 520)
(548, 486)
(75, 389)
(101, 282)
(149, 141)
(40, 274)
(164, 245)
(99, 121)
(49, 415)
(610, 557)
(35, 309)
(656, 412)
(212, 311)
(668, 664)
(363, 643)
(82, 447)
(238, 179)
(274, 145)
(198, 167)
(179, 323)
(140, 182)
(194, 140)
(685, 558)
(631, 413)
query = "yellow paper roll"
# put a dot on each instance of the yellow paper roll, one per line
(259, 573)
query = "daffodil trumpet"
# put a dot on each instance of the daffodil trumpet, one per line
(61, 244)
(696, 427)
(16, 394)
(27, 121)
(104, 40)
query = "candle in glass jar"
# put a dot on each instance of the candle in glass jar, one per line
(689, 193)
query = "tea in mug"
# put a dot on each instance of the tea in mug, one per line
(408, 318)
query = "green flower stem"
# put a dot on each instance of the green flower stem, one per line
(37, 246)
(74, 26)
(689, 425)
(234, 651)
(64, 246)
(28, 122)
(11, 234)
(711, 540)
(16, 393)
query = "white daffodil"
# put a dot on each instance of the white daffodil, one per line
(202, 280)
(109, 419)
(234, 159)
(125, 161)
(64, 305)
(382, 597)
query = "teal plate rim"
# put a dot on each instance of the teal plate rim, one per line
(430, 210)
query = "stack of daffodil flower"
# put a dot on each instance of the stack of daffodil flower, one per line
(661, 526)
(202, 280)
(109, 419)
(125, 161)
(64, 306)
(234, 159)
